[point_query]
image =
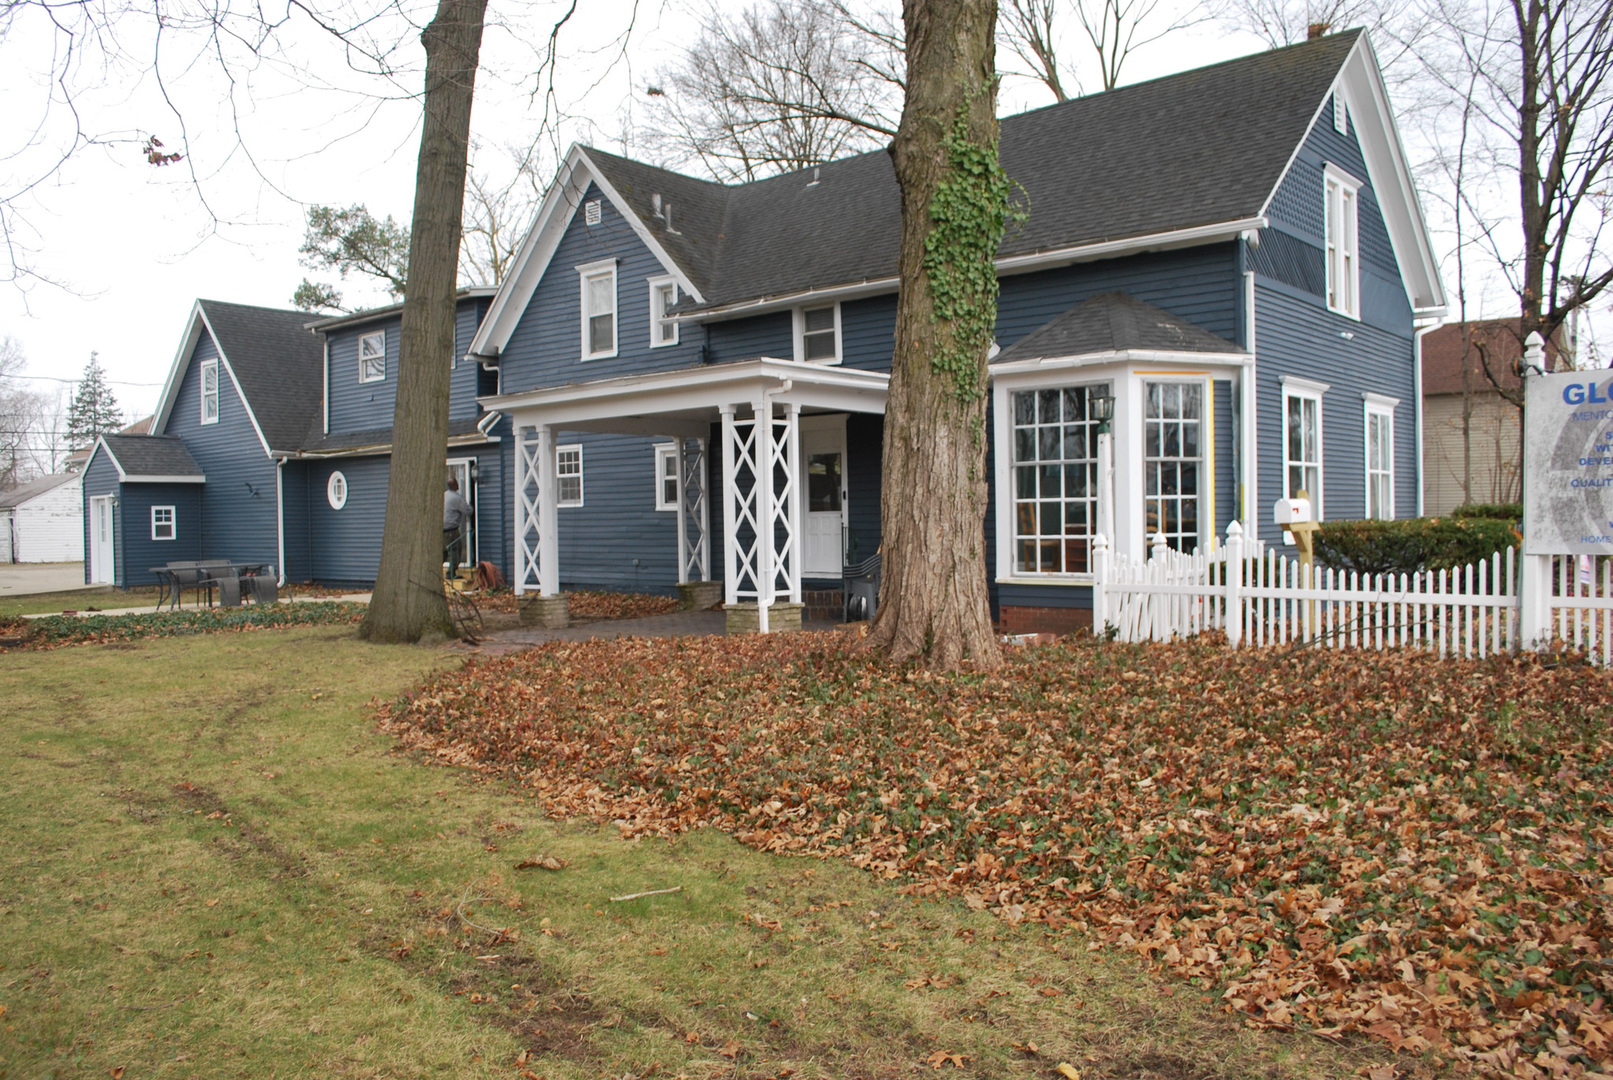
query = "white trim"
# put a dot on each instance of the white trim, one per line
(1303, 386)
(566, 448)
(1249, 457)
(1118, 356)
(586, 273)
(325, 392)
(371, 336)
(201, 377)
(280, 519)
(172, 523)
(131, 479)
(1341, 255)
(657, 320)
(664, 452)
(335, 500)
(1383, 408)
(1417, 403)
(798, 327)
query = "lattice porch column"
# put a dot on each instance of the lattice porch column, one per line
(730, 512)
(548, 515)
(527, 514)
(785, 471)
(694, 559)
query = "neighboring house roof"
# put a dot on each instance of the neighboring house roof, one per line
(77, 458)
(33, 489)
(1495, 341)
(149, 458)
(1114, 322)
(273, 360)
(1189, 158)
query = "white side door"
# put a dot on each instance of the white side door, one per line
(102, 536)
(824, 488)
(459, 469)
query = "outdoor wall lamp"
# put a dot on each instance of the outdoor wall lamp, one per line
(1101, 407)
(475, 471)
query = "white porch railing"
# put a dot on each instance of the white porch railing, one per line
(1262, 597)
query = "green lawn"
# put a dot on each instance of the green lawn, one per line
(216, 867)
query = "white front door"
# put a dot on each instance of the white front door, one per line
(823, 483)
(101, 538)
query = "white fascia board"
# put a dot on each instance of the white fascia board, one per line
(559, 206)
(1006, 266)
(1041, 365)
(164, 479)
(176, 370)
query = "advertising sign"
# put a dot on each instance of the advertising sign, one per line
(1568, 464)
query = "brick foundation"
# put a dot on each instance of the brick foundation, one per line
(824, 605)
(546, 612)
(781, 618)
(1043, 620)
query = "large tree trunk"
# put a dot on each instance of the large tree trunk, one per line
(933, 600)
(408, 602)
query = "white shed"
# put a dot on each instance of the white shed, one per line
(43, 520)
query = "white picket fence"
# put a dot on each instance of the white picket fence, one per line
(1261, 597)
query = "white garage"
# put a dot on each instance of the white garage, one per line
(43, 520)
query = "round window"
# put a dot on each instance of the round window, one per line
(336, 490)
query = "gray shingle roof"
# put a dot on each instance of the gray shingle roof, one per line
(278, 363)
(33, 488)
(152, 455)
(1199, 148)
(318, 443)
(1110, 323)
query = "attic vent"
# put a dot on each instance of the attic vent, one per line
(655, 204)
(1341, 113)
(590, 212)
(814, 180)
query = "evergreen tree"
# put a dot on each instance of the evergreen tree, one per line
(94, 409)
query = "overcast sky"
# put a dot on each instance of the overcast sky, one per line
(130, 247)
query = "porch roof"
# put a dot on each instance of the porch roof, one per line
(686, 401)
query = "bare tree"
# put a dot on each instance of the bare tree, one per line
(497, 216)
(784, 84)
(1285, 22)
(1109, 32)
(21, 414)
(933, 601)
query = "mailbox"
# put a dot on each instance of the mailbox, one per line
(1291, 512)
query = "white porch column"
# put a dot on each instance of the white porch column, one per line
(792, 470)
(548, 516)
(694, 559)
(1106, 484)
(730, 496)
(764, 501)
(683, 516)
(527, 514)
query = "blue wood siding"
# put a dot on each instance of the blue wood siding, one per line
(362, 406)
(294, 490)
(101, 478)
(746, 339)
(868, 332)
(465, 383)
(1297, 336)
(135, 551)
(238, 519)
(345, 545)
(1225, 490)
(617, 539)
(865, 434)
(545, 348)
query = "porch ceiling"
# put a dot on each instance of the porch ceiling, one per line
(687, 401)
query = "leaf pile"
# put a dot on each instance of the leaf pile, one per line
(54, 631)
(1417, 849)
(585, 604)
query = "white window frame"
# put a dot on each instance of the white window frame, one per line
(665, 452)
(1203, 498)
(659, 321)
(588, 272)
(1341, 246)
(1017, 505)
(800, 334)
(1297, 389)
(337, 489)
(1377, 405)
(209, 367)
(562, 473)
(172, 523)
(363, 371)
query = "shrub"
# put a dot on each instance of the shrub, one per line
(1512, 512)
(1409, 545)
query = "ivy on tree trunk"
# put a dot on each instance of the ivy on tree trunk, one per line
(408, 602)
(933, 601)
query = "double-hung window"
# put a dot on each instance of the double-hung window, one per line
(1302, 441)
(663, 326)
(1342, 254)
(568, 475)
(667, 481)
(1173, 461)
(1380, 431)
(1055, 480)
(209, 391)
(817, 334)
(162, 523)
(372, 357)
(598, 280)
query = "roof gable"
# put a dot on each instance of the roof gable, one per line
(148, 458)
(1114, 322)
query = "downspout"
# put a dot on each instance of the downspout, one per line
(1249, 428)
(1417, 399)
(280, 517)
(326, 420)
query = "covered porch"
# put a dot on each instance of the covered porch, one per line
(736, 434)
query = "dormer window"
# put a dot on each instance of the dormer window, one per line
(1342, 251)
(598, 285)
(663, 325)
(372, 357)
(817, 334)
(209, 392)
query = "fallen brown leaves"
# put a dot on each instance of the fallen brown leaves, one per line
(590, 605)
(1382, 843)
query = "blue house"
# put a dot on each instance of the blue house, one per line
(681, 380)
(271, 444)
(1234, 255)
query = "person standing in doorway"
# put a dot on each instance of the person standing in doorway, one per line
(455, 512)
